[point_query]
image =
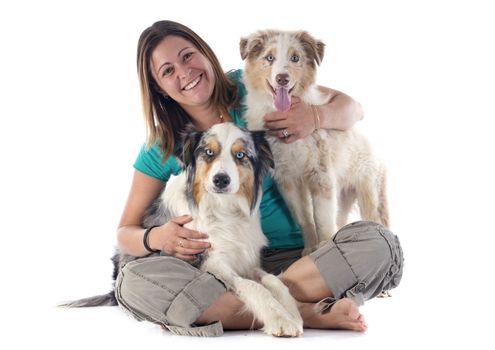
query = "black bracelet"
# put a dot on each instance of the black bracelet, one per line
(145, 240)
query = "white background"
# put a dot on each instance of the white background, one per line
(71, 126)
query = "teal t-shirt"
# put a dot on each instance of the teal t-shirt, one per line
(276, 221)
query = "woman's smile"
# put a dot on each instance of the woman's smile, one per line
(193, 83)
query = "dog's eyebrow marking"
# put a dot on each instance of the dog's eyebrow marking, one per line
(293, 51)
(213, 144)
(239, 146)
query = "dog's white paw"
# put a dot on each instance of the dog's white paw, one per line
(290, 305)
(283, 326)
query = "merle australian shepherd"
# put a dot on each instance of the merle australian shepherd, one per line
(324, 174)
(221, 189)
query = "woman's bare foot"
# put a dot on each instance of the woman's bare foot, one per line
(344, 314)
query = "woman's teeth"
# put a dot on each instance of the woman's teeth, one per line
(192, 83)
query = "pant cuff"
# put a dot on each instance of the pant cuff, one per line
(211, 330)
(334, 269)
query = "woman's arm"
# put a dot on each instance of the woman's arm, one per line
(144, 190)
(341, 113)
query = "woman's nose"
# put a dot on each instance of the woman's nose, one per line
(183, 71)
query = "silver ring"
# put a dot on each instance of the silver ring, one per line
(285, 133)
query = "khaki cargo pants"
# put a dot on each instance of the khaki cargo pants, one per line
(362, 260)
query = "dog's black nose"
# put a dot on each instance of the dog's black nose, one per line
(282, 79)
(221, 180)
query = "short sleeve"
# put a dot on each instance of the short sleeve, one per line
(149, 162)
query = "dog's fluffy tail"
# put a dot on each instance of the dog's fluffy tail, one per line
(98, 300)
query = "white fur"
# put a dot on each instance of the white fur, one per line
(236, 240)
(325, 172)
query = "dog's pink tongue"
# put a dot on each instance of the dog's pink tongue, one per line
(282, 99)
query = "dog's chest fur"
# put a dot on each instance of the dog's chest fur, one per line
(234, 233)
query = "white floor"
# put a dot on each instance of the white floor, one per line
(397, 322)
(419, 314)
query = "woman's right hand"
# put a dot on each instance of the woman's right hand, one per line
(174, 239)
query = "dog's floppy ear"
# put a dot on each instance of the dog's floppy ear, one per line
(190, 139)
(264, 151)
(315, 49)
(252, 45)
(262, 166)
(243, 47)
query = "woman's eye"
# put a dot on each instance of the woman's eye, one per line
(269, 58)
(240, 155)
(187, 56)
(209, 152)
(167, 71)
(294, 58)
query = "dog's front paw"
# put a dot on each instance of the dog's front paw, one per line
(284, 327)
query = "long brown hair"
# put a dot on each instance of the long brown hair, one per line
(165, 118)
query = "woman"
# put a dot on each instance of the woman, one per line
(182, 82)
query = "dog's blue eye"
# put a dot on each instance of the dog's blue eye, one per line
(240, 155)
(294, 58)
(209, 152)
(269, 58)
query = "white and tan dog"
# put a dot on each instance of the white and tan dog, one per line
(322, 175)
(221, 189)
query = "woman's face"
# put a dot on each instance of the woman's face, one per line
(182, 72)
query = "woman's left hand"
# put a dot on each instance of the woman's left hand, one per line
(297, 123)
